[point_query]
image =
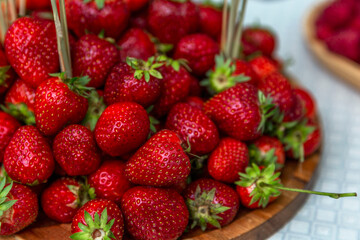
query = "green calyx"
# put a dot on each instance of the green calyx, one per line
(203, 211)
(263, 159)
(145, 68)
(3, 75)
(83, 192)
(161, 48)
(76, 84)
(223, 76)
(96, 108)
(153, 121)
(269, 113)
(95, 229)
(20, 111)
(175, 64)
(99, 3)
(5, 203)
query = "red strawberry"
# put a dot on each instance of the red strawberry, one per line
(210, 20)
(96, 16)
(323, 31)
(245, 68)
(8, 126)
(263, 66)
(136, 81)
(199, 51)
(258, 39)
(75, 150)
(170, 20)
(65, 106)
(346, 43)
(31, 49)
(94, 57)
(161, 162)
(63, 198)
(154, 213)
(21, 92)
(297, 111)
(122, 128)
(307, 101)
(136, 43)
(338, 14)
(100, 218)
(19, 207)
(135, 5)
(37, 4)
(28, 157)
(193, 127)
(139, 19)
(195, 88)
(7, 74)
(211, 204)
(109, 181)
(228, 159)
(195, 102)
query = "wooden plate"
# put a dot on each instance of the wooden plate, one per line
(347, 70)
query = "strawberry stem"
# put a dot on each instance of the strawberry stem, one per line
(237, 39)
(22, 8)
(12, 10)
(224, 26)
(231, 26)
(3, 21)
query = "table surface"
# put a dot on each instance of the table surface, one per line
(339, 106)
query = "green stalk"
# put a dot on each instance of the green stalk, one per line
(22, 8)
(231, 25)
(237, 39)
(224, 28)
(66, 35)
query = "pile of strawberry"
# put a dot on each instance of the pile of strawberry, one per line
(338, 26)
(157, 133)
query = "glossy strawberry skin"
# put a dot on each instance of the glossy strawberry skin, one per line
(210, 20)
(57, 106)
(245, 68)
(224, 195)
(228, 159)
(8, 127)
(137, 44)
(109, 181)
(191, 124)
(307, 101)
(258, 40)
(94, 57)
(75, 150)
(98, 206)
(32, 60)
(122, 128)
(154, 213)
(263, 66)
(59, 202)
(10, 74)
(22, 213)
(169, 21)
(112, 18)
(122, 86)
(160, 162)
(199, 50)
(266, 143)
(28, 157)
(21, 92)
(245, 198)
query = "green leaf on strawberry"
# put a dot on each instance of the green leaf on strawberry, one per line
(4, 75)
(96, 108)
(145, 68)
(20, 111)
(260, 159)
(76, 84)
(4, 191)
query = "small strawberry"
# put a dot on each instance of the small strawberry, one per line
(75, 150)
(31, 49)
(135, 5)
(18, 208)
(154, 213)
(21, 92)
(258, 39)
(210, 20)
(122, 128)
(94, 57)
(28, 158)
(170, 20)
(307, 101)
(263, 66)
(98, 219)
(193, 127)
(228, 159)
(211, 204)
(8, 127)
(199, 51)
(161, 161)
(109, 181)
(7, 74)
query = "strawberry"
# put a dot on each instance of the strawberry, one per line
(122, 128)
(31, 49)
(98, 219)
(7, 74)
(139, 19)
(66, 106)
(97, 15)
(258, 39)
(195, 102)
(37, 4)
(109, 181)
(28, 158)
(307, 101)
(136, 81)
(170, 20)
(94, 57)
(228, 159)
(154, 213)
(8, 126)
(136, 43)
(193, 127)
(21, 92)
(211, 204)
(297, 111)
(195, 88)
(338, 14)
(63, 198)
(210, 20)
(263, 66)
(135, 5)
(75, 150)
(161, 161)
(19, 207)
(345, 42)
(199, 51)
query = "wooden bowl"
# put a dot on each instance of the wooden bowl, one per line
(346, 69)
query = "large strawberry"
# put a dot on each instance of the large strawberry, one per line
(8, 126)
(170, 20)
(75, 150)
(98, 219)
(161, 161)
(31, 49)
(154, 213)
(258, 39)
(7, 74)
(211, 204)
(210, 20)
(97, 15)
(193, 127)
(18, 207)
(94, 57)
(28, 158)
(122, 128)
